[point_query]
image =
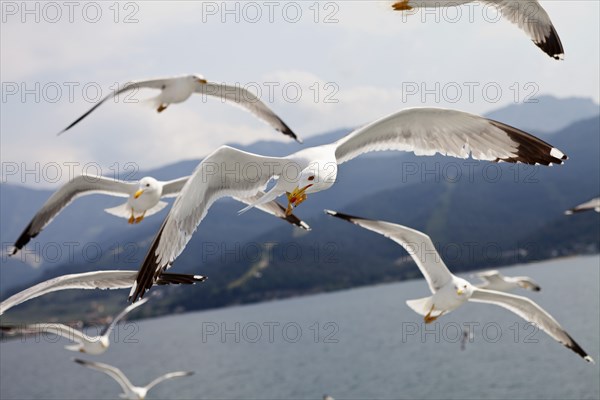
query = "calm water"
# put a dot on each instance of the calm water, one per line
(358, 343)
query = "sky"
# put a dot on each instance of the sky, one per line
(319, 65)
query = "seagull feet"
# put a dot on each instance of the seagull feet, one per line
(162, 108)
(139, 219)
(131, 219)
(401, 5)
(429, 318)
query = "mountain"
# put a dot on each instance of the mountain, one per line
(479, 214)
(546, 114)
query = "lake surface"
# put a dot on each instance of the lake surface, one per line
(354, 344)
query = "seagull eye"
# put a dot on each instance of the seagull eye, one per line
(147, 185)
(465, 286)
(311, 178)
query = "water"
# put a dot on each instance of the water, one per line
(362, 349)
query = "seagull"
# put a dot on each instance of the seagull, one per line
(94, 345)
(423, 131)
(529, 15)
(494, 280)
(111, 279)
(593, 204)
(450, 291)
(143, 200)
(178, 89)
(129, 391)
(467, 336)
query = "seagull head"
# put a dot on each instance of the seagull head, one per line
(314, 178)
(147, 186)
(462, 287)
(197, 78)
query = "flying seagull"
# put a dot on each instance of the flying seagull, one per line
(450, 291)
(179, 89)
(593, 204)
(143, 200)
(424, 131)
(130, 391)
(83, 343)
(92, 280)
(494, 280)
(529, 15)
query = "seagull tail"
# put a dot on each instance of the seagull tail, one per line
(121, 211)
(421, 306)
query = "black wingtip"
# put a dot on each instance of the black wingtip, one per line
(8, 330)
(577, 349)
(149, 271)
(79, 361)
(25, 238)
(294, 220)
(167, 278)
(286, 130)
(340, 215)
(531, 150)
(552, 45)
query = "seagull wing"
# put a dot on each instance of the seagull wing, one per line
(593, 204)
(528, 283)
(172, 188)
(491, 276)
(226, 172)
(119, 317)
(418, 245)
(88, 280)
(168, 376)
(427, 131)
(531, 17)
(111, 371)
(531, 312)
(244, 98)
(273, 208)
(65, 331)
(79, 186)
(150, 84)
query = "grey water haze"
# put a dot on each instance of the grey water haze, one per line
(358, 343)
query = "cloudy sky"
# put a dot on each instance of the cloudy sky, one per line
(320, 65)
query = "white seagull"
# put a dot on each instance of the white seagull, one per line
(529, 15)
(83, 343)
(130, 391)
(114, 279)
(494, 280)
(424, 131)
(179, 89)
(143, 200)
(593, 204)
(450, 291)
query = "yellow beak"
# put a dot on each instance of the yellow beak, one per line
(138, 193)
(459, 292)
(203, 81)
